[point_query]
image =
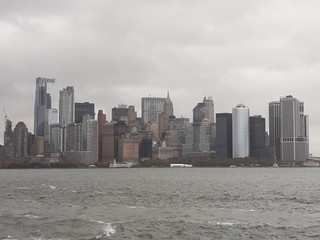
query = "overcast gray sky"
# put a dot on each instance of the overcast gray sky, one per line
(118, 51)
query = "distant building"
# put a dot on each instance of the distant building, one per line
(20, 143)
(82, 109)
(51, 118)
(289, 130)
(240, 131)
(275, 128)
(128, 150)
(101, 122)
(120, 113)
(42, 102)
(204, 110)
(56, 137)
(151, 107)
(90, 136)
(8, 139)
(257, 137)
(294, 141)
(66, 106)
(74, 139)
(224, 135)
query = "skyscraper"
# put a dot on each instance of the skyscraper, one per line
(20, 143)
(66, 106)
(51, 118)
(224, 135)
(82, 109)
(151, 107)
(240, 131)
(204, 110)
(289, 131)
(294, 140)
(257, 136)
(274, 127)
(102, 119)
(42, 102)
(120, 113)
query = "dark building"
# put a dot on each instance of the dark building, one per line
(111, 133)
(20, 143)
(257, 137)
(224, 135)
(274, 128)
(102, 120)
(120, 113)
(83, 109)
(146, 149)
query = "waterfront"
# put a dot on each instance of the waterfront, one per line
(160, 203)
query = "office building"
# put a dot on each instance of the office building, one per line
(56, 137)
(102, 119)
(257, 137)
(224, 135)
(51, 118)
(82, 109)
(42, 102)
(74, 137)
(90, 136)
(204, 110)
(275, 128)
(66, 106)
(240, 131)
(120, 113)
(20, 141)
(151, 107)
(294, 140)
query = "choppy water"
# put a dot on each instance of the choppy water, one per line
(195, 203)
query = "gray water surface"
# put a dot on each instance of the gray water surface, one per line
(160, 203)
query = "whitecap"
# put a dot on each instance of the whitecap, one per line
(226, 224)
(31, 216)
(135, 207)
(52, 187)
(108, 230)
(22, 188)
(246, 210)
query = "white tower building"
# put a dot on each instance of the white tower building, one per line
(240, 131)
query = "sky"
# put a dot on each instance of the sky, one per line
(118, 51)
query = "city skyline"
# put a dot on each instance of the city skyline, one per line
(248, 52)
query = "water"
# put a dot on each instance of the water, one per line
(160, 203)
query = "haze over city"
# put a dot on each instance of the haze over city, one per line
(115, 52)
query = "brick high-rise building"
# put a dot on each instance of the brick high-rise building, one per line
(20, 143)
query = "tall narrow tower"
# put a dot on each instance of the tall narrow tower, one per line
(240, 131)
(42, 103)
(66, 106)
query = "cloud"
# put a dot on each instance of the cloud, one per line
(116, 52)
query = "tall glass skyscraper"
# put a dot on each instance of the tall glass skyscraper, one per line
(240, 131)
(66, 106)
(42, 103)
(289, 129)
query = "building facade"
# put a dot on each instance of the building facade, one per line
(224, 135)
(20, 142)
(42, 102)
(151, 107)
(82, 109)
(240, 132)
(257, 137)
(66, 106)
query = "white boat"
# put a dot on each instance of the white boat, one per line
(92, 166)
(180, 165)
(275, 165)
(120, 165)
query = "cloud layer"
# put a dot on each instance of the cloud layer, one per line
(116, 52)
